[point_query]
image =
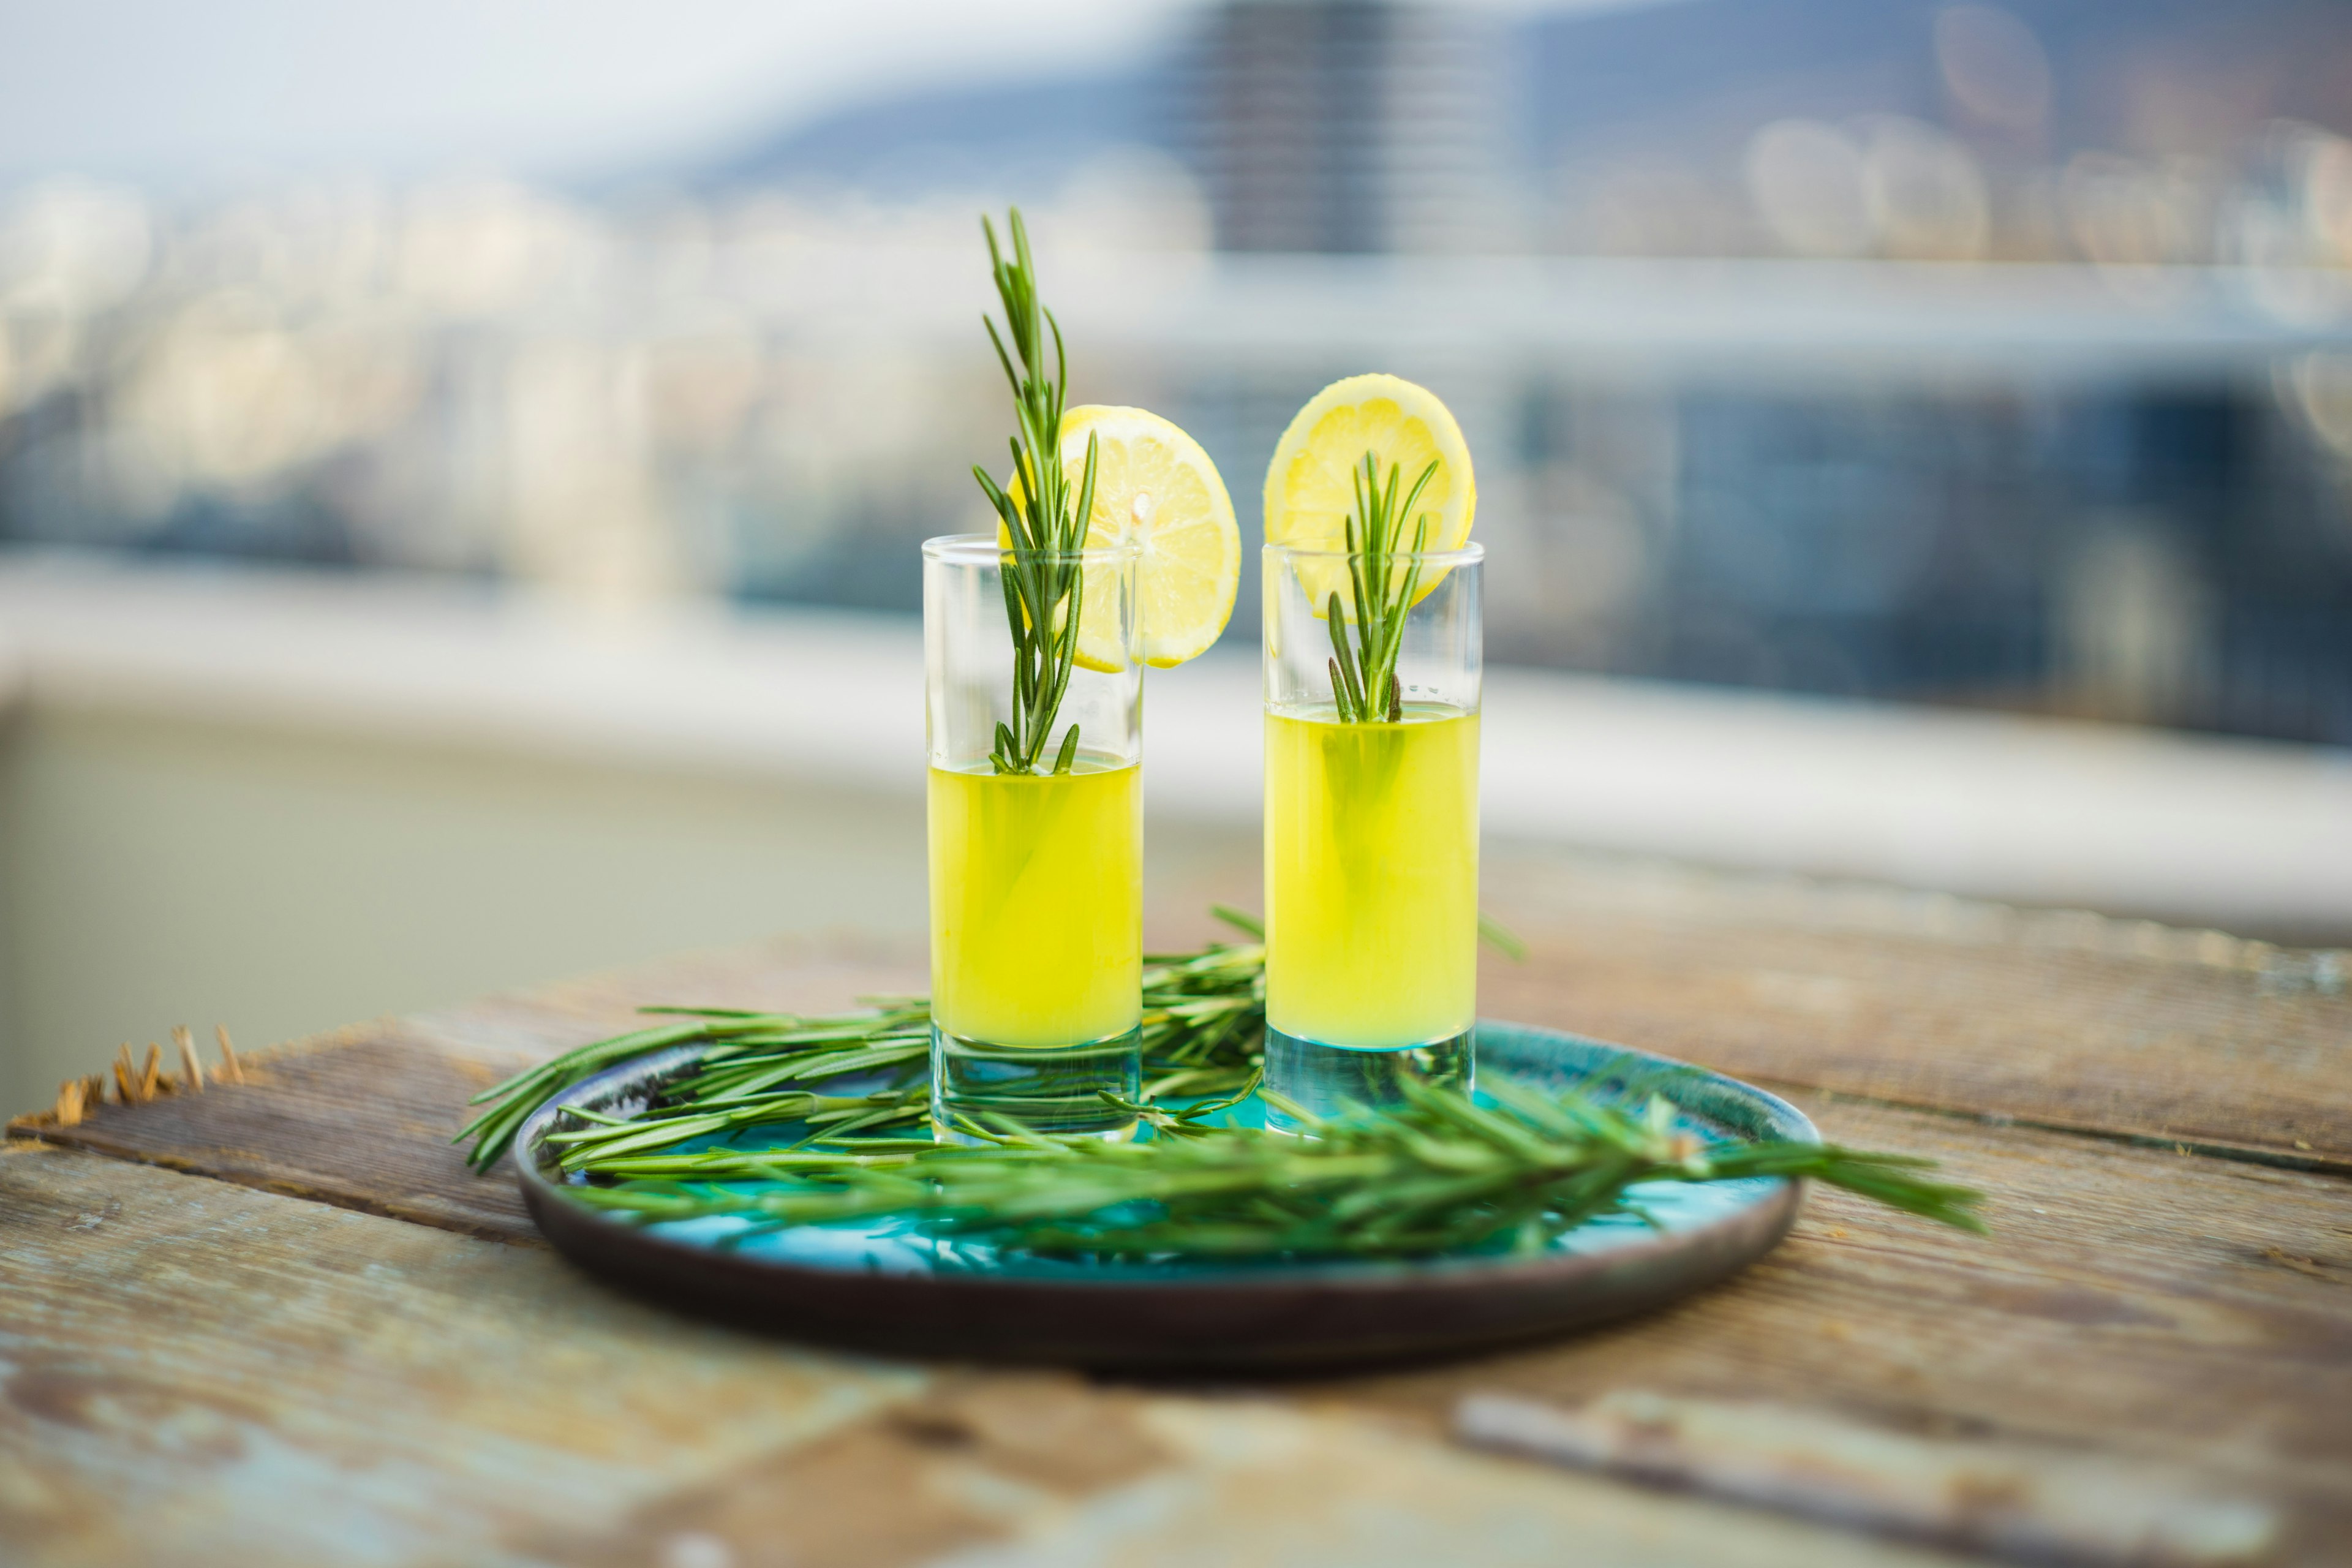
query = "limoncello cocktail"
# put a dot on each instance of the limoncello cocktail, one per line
(1035, 642)
(1371, 876)
(1038, 903)
(1372, 673)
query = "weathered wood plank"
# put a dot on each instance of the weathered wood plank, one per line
(2184, 1309)
(1044, 1473)
(2140, 1303)
(2069, 1022)
(195, 1373)
(191, 1372)
(363, 1116)
(2116, 1028)
(360, 1120)
(2191, 1309)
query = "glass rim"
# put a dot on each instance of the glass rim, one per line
(1467, 553)
(985, 550)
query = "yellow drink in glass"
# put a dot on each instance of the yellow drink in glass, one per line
(1036, 876)
(1038, 904)
(1371, 876)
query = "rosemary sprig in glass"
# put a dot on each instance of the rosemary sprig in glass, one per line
(1364, 685)
(1043, 583)
(1439, 1174)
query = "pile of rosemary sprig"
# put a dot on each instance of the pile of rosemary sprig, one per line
(1044, 583)
(1203, 1024)
(1364, 684)
(1439, 1174)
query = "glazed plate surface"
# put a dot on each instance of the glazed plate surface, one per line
(891, 1287)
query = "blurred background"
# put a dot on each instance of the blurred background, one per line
(460, 466)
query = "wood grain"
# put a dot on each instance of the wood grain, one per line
(2115, 1029)
(363, 1116)
(1010, 1472)
(2121, 1028)
(2133, 1303)
(360, 1118)
(195, 1373)
(2193, 1311)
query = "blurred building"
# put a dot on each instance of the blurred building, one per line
(2114, 131)
(1974, 354)
(1348, 126)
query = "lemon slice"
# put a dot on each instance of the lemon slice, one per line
(1154, 485)
(1310, 487)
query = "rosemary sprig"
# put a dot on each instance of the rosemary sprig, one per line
(1044, 583)
(1203, 1026)
(1441, 1173)
(1203, 1029)
(1364, 685)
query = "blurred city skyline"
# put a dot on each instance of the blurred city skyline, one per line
(240, 93)
(430, 437)
(1945, 353)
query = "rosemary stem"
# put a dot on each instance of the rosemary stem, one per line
(1365, 687)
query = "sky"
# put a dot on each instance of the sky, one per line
(213, 92)
(177, 92)
(224, 92)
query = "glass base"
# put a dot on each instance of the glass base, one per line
(1330, 1081)
(1054, 1089)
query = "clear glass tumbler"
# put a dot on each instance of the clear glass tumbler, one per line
(1037, 878)
(1372, 830)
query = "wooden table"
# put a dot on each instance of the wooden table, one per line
(344, 1347)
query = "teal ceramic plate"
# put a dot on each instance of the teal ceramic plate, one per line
(890, 1287)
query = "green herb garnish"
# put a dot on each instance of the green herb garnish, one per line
(1203, 1026)
(1364, 685)
(1440, 1174)
(1044, 585)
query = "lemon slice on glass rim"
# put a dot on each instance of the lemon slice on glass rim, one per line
(1310, 488)
(1153, 484)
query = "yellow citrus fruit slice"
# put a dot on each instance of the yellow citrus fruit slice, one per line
(1309, 486)
(1154, 485)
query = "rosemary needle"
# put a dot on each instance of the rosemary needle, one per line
(1444, 1174)
(1203, 1026)
(1043, 579)
(1439, 1174)
(1364, 686)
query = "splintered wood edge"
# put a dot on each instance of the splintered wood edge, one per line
(136, 1083)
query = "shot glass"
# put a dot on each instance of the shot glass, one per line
(1371, 833)
(1036, 878)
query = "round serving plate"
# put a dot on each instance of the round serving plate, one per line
(891, 1288)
